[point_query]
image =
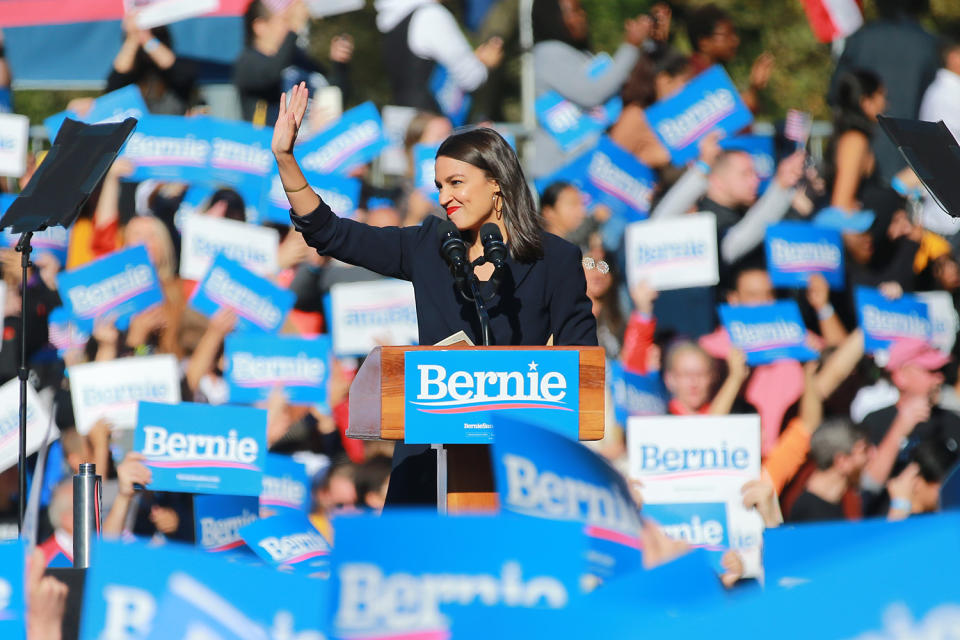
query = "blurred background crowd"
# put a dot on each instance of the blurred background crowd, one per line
(848, 435)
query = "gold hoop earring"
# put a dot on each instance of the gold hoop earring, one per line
(498, 205)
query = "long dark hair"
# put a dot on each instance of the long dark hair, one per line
(486, 149)
(548, 24)
(852, 88)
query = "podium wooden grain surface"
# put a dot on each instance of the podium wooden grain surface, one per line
(377, 413)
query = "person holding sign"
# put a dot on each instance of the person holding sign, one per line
(542, 288)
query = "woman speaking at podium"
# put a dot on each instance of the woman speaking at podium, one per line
(541, 293)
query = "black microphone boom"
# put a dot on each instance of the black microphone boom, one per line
(494, 250)
(454, 251)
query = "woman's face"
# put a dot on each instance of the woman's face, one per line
(466, 193)
(575, 19)
(567, 214)
(874, 104)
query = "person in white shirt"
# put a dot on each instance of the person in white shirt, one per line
(420, 34)
(942, 102)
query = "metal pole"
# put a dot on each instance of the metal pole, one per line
(527, 88)
(441, 478)
(86, 513)
(23, 246)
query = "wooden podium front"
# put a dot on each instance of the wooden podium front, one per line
(377, 413)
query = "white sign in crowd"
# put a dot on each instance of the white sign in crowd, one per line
(673, 254)
(38, 420)
(112, 389)
(204, 237)
(367, 314)
(700, 460)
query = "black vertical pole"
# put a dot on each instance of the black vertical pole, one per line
(23, 246)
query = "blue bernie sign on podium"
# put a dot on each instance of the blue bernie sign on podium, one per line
(257, 364)
(543, 474)
(709, 101)
(199, 448)
(457, 396)
(120, 285)
(436, 586)
(115, 106)
(258, 303)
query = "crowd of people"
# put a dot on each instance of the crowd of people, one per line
(847, 435)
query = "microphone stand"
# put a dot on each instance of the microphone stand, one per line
(481, 307)
(23, 246)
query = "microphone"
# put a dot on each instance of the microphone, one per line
(494, 250)
(454, 251)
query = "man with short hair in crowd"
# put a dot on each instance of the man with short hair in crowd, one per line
(840, 452)
(914, 367)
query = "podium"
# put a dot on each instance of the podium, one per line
(378, 411)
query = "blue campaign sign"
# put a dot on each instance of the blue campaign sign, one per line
(569, 125)
(355, 139)
(126, 586)
(286, 486)
(259, 363)
(420, 585)
(453, 101)
(424, 169)
(761, 150)
(170, 148)
(240, 158)
(121, 284)
(12, 601)
(708, 102)
(574, 172)
(795, 250)
(768, 333)
(458, 396)
(115, 106)
(565, 121)
(191, 609)
(341, 194)
(217, 520)
(200, 448)
(258, 303)
(884, 320)
(289, 540)
(702, 525)
(63, 332)
(616, 178)
(542, 474)
(635, 394)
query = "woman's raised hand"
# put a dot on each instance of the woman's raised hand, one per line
(289, 119)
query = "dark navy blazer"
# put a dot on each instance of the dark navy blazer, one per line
(535, 300)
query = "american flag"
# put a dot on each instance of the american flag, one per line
(797, 127)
